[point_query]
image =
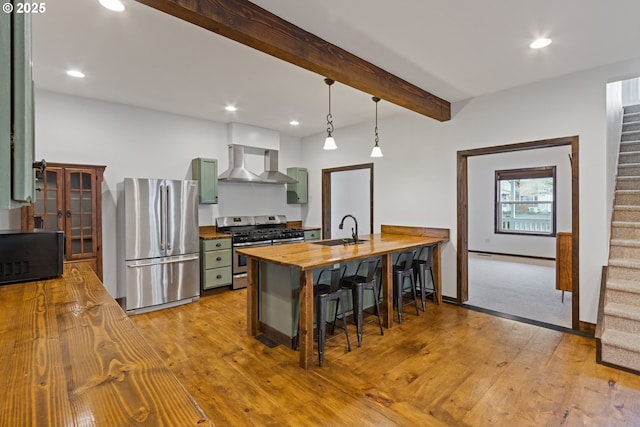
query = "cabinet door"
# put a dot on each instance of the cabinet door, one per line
(205, 171)
(23, 124)
(48, 210)
(5, 111)
(297, 193)
(80, 215)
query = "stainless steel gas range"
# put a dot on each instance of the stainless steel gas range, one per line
(252, 231)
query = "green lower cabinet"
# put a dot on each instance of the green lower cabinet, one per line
(216, 277)
(311, 235)
(298, 193)
(205, 171)
(215, 263)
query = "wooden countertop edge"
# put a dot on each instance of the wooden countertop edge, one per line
(317, 256)
(209, 232)
(110, 370)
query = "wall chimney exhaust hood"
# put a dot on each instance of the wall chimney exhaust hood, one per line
(246, 139)
(238, 172)
(271, 173)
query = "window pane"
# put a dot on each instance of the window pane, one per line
(525, 201)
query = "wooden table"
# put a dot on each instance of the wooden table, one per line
(70, 356)
(308, 256)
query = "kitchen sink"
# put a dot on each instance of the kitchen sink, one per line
(337, 242)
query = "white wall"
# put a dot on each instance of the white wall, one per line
(415, 181)
(135, 142)
(350, 194)
(481, 182)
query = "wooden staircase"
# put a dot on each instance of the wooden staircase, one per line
(619, 320)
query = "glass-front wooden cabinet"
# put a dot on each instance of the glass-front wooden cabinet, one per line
(69, 198)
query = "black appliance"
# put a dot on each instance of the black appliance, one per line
(30, 255)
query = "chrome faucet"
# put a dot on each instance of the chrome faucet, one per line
(354, 234)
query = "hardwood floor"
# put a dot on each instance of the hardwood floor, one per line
(448, 367)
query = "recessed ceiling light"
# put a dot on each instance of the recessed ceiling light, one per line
(294, 123)
(540, 43)
(230, 108)
(75, 73)
(115, 5)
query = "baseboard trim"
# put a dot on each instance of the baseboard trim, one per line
(513, 255)
(618, 367)
(558, 328)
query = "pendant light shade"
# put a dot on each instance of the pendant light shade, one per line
(329, 142)
(376, 152)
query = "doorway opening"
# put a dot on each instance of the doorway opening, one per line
(347, 190)
(463, 214)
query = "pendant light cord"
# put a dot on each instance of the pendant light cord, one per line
(330, 128)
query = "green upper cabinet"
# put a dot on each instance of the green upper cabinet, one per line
(17, 176)
(205, 171)
(298, 193)
(5, 110)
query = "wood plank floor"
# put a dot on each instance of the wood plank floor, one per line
(448, 367)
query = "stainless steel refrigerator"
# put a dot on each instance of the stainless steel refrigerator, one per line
(157, 243)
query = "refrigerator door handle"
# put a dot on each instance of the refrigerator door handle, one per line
(162, 216)
(167, 219)
(172, 260)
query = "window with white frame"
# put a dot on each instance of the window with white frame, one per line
(526, 201)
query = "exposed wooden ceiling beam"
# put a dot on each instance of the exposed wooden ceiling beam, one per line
(251, 25)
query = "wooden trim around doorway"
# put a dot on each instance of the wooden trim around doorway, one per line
(463, 215)
(326, 195)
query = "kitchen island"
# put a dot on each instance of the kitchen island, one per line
(71, 357)
(304, 258)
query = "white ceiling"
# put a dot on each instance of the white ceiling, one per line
(454, 49)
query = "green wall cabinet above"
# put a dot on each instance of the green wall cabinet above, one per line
(17, 176)
(298, 193)
(205, 171)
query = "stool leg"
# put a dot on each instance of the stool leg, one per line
(344, 323)
(423, 285)
(357, 309)
(322, 328)
(435, 291)
(377, 303)
(413, 288)
(398, 291)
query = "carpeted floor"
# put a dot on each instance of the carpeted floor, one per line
(518, 286)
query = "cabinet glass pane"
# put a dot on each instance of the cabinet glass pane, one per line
(86, 181)
(51, 180)
(74, 180)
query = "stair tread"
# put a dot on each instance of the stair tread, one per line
(633, 243)
(623, 285)
(621, 339)
(627, 207)
(624, 262)
(627, 224)
(622, 310)
(628, 165)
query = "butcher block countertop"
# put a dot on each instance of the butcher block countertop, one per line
(209, 232)
(310, 255)
(70, 356)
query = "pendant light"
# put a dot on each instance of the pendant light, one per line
(376, 152)
(329, 142)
